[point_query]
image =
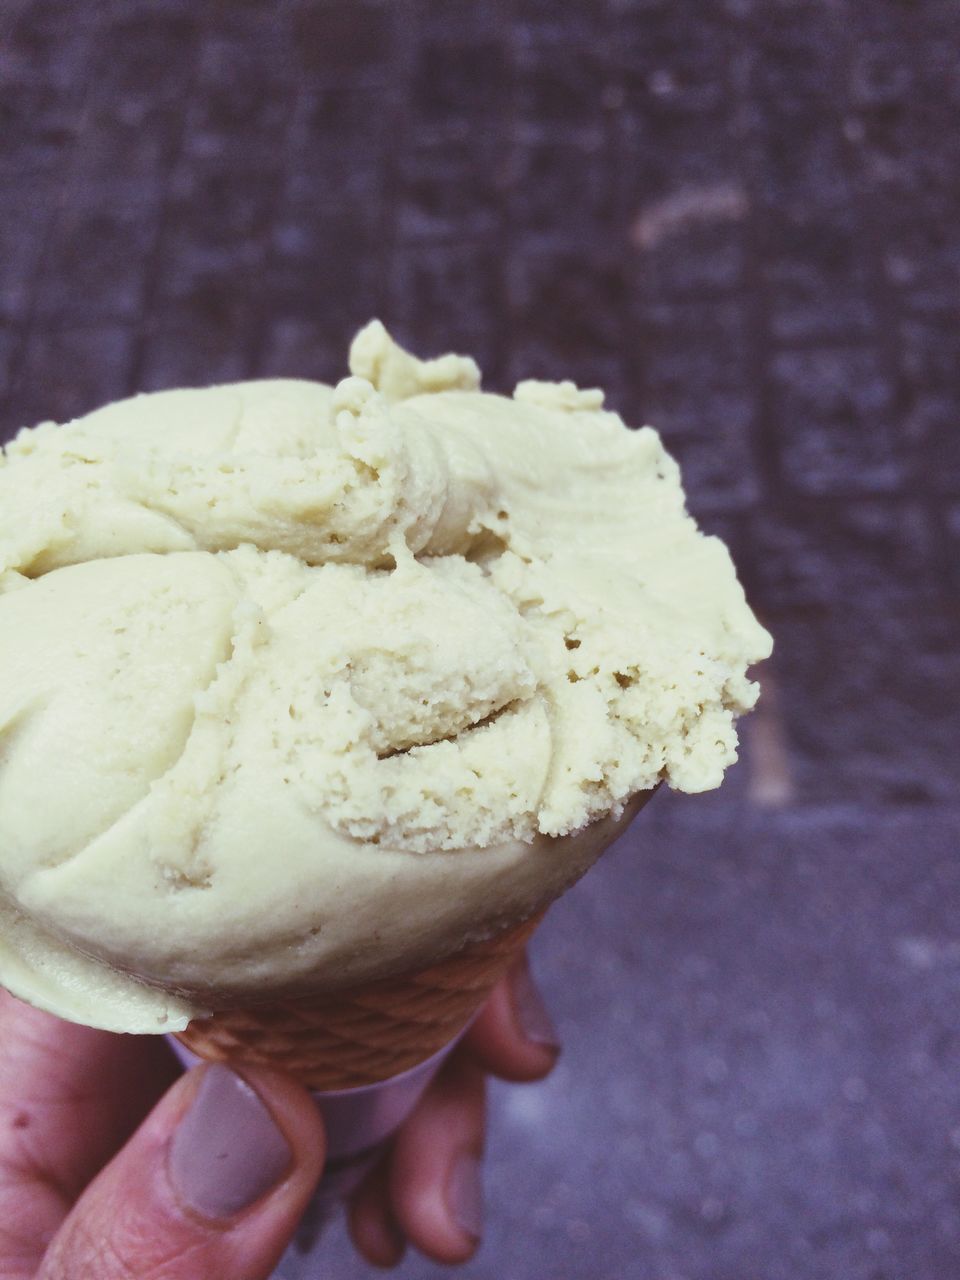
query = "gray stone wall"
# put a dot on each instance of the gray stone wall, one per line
(741, 218)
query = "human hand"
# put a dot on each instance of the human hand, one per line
(100, 1179)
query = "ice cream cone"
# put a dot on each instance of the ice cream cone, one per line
(364, 1034)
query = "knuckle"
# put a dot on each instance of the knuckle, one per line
(127, 1247)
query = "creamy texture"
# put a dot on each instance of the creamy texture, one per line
(300, 686)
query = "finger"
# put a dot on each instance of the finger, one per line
(213, 1183)
(514, 1036)
(435, 1174)
(69, 1099)
(51, 1070)
(373, 1227)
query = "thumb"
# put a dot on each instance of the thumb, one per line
(212, 1184)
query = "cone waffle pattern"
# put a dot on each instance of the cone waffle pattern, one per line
(367, 1033)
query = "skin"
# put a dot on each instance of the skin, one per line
(86, 1120)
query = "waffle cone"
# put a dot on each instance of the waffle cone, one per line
(367, 1033)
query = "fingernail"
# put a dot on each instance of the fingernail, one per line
(228, 1152)
(465, 1194)
(535, 1023)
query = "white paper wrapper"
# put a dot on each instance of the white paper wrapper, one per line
(358, 1122)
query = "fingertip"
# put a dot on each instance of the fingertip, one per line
(436, 1173)
(250, 1142)
(295, 1114)
(375, 1239)
(373, 1228)
(530, 1012)
(213, 1183)
(432, 1217)
(514, 1037)
(465, 1198)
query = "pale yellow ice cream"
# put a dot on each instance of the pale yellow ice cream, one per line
(300, 686)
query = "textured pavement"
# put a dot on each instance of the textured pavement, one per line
(741, 218)
(760, 1079)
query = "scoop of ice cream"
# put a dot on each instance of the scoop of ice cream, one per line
(302, 686)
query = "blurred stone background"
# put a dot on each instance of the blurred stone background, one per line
(741, 218)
